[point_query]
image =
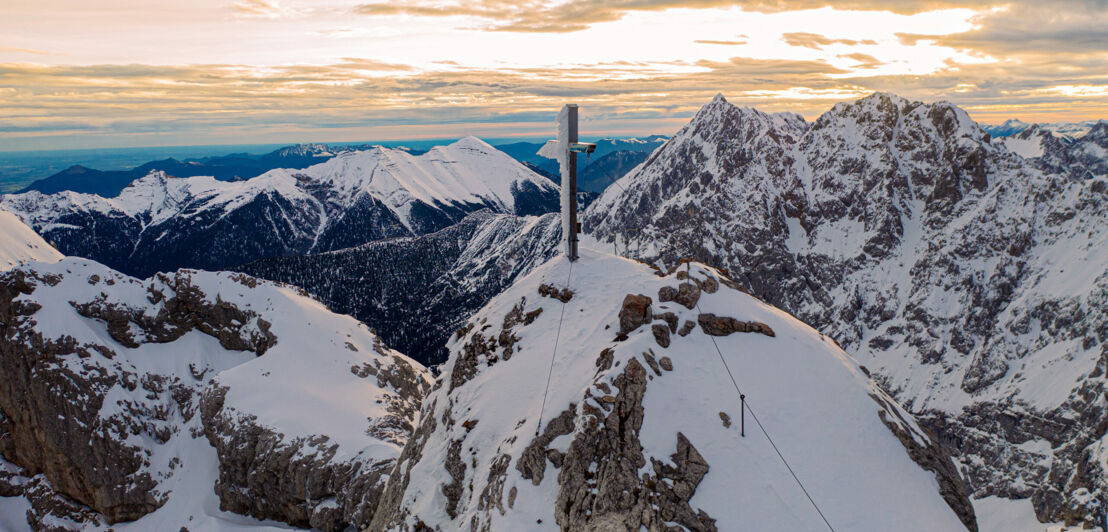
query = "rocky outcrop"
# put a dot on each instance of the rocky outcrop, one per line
(600, 485)
(299, 481)
(315, 479)
(686, 294)
(634, 313)
(182, 307)
(549, 290)
(725, 325)
(52, 393)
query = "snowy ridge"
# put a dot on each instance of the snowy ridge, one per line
(970, 280)
(477, 460)
(19, 244)
(469, 171)
(165, 383)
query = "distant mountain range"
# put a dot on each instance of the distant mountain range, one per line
(234, 167)
(612, 159)
(1082, 157)
(1013, 126)
(159, 223)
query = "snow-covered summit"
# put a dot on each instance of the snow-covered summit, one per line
(691, 154)
(591, 396)
(467, 172)
(19, 244)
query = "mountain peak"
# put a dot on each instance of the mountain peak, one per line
(614, 358)
(883, 99)
(472, 142)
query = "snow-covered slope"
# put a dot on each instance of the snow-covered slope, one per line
(160, 223)
(641, 425)
(175, 401)
(972, 283)
(432, 283)
(19, 244)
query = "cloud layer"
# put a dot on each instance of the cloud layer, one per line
(374, 70)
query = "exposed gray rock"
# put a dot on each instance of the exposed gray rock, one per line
(661, 334)
(563, 295)
(724, 325)
(666, 363)
(532, 463)
(686, 328)
(52, 412)
(670, 319)
(634, 313)
(85, 425)
(599, 485)
(686, 294)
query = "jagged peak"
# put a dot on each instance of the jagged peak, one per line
(719, 106)
(154, 176)
(883, 109)
(1098, 131)
(881, 96)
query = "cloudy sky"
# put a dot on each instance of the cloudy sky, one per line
(100, 73)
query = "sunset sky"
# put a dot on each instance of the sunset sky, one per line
(98, 73)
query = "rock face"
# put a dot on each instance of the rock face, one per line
(317, 479)
(432, 284)
(971, 282)
(628, 434)
(114, 391)
(160, 224)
